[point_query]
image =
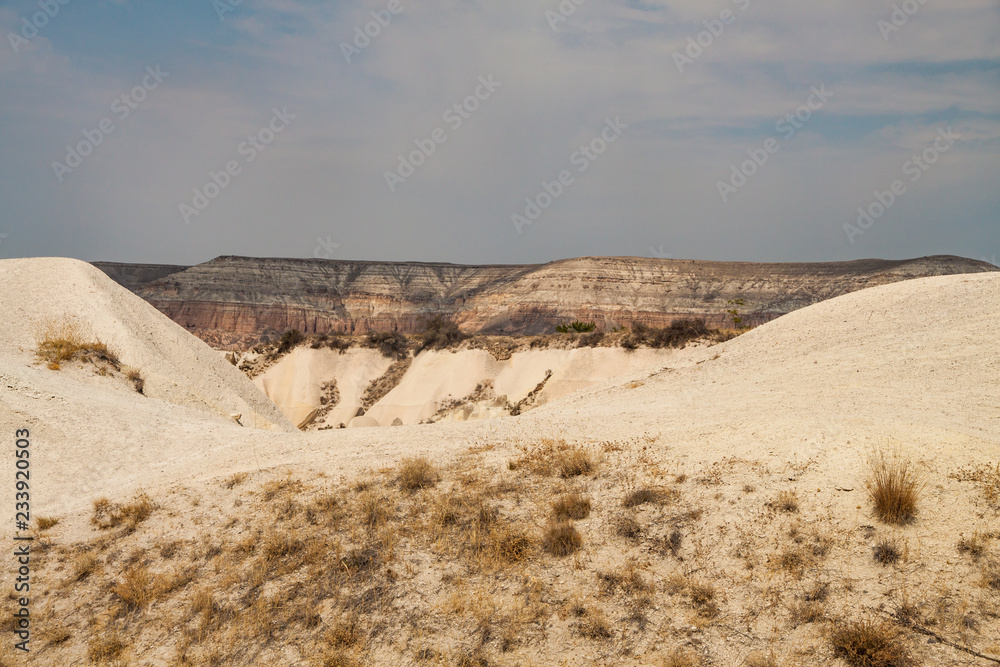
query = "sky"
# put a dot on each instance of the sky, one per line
(499, 132)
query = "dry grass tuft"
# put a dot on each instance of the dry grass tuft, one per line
(560, 538)
(572, 506)
(647, 494)
(991, 575)
(556, 458)
(594, 624)
(417, 473)
(787, 502)
(46, 522)
(627, 579)
(346, 632)
(139, 382)
(374, 508)
(628, 528)
(574, 462)
(111, 515)
(870, 643)
(62, 341)
(682, 658)
(761, 660)
(974, 546)
(234, 480)
(83, 565)
(893, 488)
(138, 587)
(105, 646)
(885, 552)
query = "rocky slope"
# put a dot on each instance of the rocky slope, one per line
(238, 301)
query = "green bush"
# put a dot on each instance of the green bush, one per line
(576, 327)
(289, 339)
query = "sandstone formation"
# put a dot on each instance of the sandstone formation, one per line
(239, 301)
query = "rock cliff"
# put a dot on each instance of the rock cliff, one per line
(238, 301)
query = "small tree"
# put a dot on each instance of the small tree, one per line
(734, 312)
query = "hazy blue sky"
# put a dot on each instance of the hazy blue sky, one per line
(664, 121)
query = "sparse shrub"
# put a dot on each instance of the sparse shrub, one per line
(440, 333)
(673, 543)
(289, 340)
(787, 501)
(417, 473)
(139, 382)
(375, 509)
(46, 522)
(870, 643)
(893, 488)
(391, 344)
(802, 612)
(991, 575)
(703, 596)
(234, 479)
(973, 546)
(576, 327)
(83, 565)
(137, 587)
(105, 645)
(590, 340)
(761, 660)
(508, 544)
(572, 506)
(678, 334)
(681, 658)
(561, 538)
(574, 462)
(793, 560)
(627, 579)
(885, 552)
(594, 625)
(111, 515)
(628, 527)
(346, 633)
(339, 343)
(646, 494)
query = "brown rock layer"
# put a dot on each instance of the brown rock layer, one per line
(238, 301)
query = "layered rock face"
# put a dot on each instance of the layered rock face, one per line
(238, 301)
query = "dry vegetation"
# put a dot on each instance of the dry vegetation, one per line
(63, 341)
(893, 487)
(521, 555)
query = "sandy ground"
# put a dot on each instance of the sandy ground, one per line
(796, 404)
